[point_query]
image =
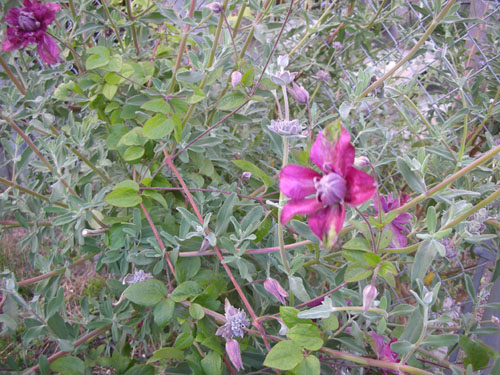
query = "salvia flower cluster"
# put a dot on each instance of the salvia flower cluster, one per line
(236, 322)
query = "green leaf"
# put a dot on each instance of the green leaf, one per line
(387, 267)
(100, 56)
(158, 126)
(196, 311)
(231, 101)
(189, 76)
(414, 181)
(289, 316)
(164, 312)
(68, 366)
(298, 289)
(256, 171)
(133, 153)
(431, 219)
(198, 96)
(123, 197)
(115, 63)
(177, 127)
(309, 366)
(285, 355)
(476, 354)
(357, 244)
(158, 106)
(186, 290)
(156, 196)
(356, 272)
(141, 370)
(306, 335)
(146, 293)
(127, 184)
(212, 364)
(109, 91)
(167, 353)
(183, 341)
(372, 259)
(423, 258)
(440, 340)
(225, 214)
(133, 138)
(331, 323)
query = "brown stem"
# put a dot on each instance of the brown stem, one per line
(12, 77)
(170, 164)
(55, 272)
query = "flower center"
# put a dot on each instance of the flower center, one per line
(28, 22)
(330, 189)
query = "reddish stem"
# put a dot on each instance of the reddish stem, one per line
(170, 164)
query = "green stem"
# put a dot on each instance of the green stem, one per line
(85, 160)
(473, 210)
(410, 53)
(113, 25)
(426, 122)
(12, 77)
(178, 60)
(30, 192)
(313, 29)
(72, 9)
(134, 32)
(488, 114)
(375, 16)
(55, 272)
(483, 159)
(421, 338)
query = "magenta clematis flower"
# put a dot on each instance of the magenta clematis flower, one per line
(28, 25)
(384, 351)
(398, 225)
(324, 196)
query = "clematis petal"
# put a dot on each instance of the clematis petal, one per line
(360, 187)
(299, 207)
(297, 182)
(11, 43)
(398, 238)
(327, 220)
(48, 50)
(402, 219)
(12, 17)
(50, 11)
(336, 157)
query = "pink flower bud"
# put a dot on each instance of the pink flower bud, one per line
(234, 354)
(274, 287)
(299, 93)
(235, 78)
(369, 294)
(214, 7)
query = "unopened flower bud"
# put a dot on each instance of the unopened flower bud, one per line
(361, 162)
(299, 93)
(245, 176)
(274, 287)
(235, 78)
(337, 45)
(283, 329)
(283, 61)
(428, 296)
(369, 294)
(495, 320)
(283, 78)
(214, 7)
(234, 354)
(323, 75)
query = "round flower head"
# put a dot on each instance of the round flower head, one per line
(236, 321)
(28, 25)
(324, 195)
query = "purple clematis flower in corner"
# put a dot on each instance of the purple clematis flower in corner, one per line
(398, 225)
(325, 195)
(384, 351)
(28, 25)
